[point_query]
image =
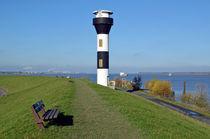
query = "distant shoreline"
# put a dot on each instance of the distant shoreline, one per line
(177, 73)
(163, 73)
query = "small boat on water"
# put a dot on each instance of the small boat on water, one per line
(169, 74)
(123, 74)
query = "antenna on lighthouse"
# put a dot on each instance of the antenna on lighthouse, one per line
(103, 24)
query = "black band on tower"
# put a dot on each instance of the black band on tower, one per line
(103, 24)
(103, 60)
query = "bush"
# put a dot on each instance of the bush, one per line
(123, 84)
(118, 82)
(146, 84)
(152, 83)
(137, 83)
(161, 88)
(187, 98)
(199, 98)
(127, 85)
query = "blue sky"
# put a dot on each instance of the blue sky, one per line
(149, 35)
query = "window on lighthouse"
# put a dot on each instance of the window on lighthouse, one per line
(100, 42)
(100, 63)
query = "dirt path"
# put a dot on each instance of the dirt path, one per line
(93, 119)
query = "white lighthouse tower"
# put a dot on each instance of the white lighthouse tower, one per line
(102, 24)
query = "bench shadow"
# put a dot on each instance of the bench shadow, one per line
(62, 120)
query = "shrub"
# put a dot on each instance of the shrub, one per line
(137, 83)
(127, 85)
(152, 83)
(187, 98)
(146, 84)
(161, 88)
(199, 98)
(118, 82)
(123, 84)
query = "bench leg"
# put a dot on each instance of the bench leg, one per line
(40, 125)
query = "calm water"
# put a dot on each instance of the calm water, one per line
(176, 80)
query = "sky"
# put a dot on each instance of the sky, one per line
(147, 35)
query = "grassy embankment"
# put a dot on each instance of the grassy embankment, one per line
(153, 120)
(192, 107)
(99, 112)
(16, 118)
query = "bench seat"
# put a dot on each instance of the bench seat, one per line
(50, 114)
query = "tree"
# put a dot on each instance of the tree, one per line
(146, 84)
(157, 88)
(137, 83)
(161, 88)
(118, 82)
(166, 90)
(152, 83)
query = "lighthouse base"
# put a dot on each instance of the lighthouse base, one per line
(103, 77)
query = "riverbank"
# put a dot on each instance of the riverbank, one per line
(191, 107)
(184, 110)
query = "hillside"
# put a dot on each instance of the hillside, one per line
(98, 112)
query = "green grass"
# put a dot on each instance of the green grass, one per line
(16, 118)
(203, 111)
(93, 119)
(99, 112)
(153, 120)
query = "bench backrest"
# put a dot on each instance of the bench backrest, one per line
(38, 106)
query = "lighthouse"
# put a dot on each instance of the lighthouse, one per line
(103, 24)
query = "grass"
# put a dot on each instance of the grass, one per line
(16, 118)
(153, 120)
(192, 107)
(99, 112)
(95, 120)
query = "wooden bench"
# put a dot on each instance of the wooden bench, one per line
(45, 115)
